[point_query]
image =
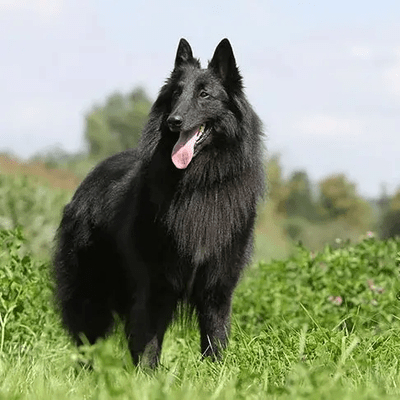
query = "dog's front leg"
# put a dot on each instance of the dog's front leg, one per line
(213, 310)
(146, 325)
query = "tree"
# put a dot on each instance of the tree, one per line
(339, 200)
(384, 199)
(390, 226)
(299, 201)
(276, 186)
(118, 124)
(292, 198)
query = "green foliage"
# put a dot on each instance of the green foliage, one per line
(316, 235)
(26, 309)
(336, 211)
(339, 200)
(317, 325)
(292, 197)
(118, 124)
(299, 201)
(109, 128)
(270, 239)
(350, 287)
(34, 206)
(276, 185)
(390, 224)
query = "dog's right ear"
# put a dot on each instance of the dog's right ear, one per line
(184, 53)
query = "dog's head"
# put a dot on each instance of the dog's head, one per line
(200, 100)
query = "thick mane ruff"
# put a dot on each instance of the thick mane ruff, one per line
(225, 212)
(212, 186)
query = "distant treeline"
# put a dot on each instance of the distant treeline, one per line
(301, 210)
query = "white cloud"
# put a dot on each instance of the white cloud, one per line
(35, 114)
(387, 59)
(363, 52)
(327, 125)
(391, 75)
(46, 9)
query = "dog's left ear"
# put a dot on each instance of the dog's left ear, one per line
(224, 65)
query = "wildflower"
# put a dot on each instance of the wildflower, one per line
(336, 300)
(374, 288)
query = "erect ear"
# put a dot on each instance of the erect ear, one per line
(224, 65)
(184, 53)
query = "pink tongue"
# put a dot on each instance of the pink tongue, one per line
(182, 153)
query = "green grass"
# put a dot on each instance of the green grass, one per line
(314, 326)
(28, 203)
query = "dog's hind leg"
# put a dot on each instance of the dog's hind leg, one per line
(146, 325)
(87, 316)
(84, 295)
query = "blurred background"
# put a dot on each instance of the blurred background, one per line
(78, 79)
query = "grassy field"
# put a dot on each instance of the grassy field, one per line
(320, 325)
(314, 326)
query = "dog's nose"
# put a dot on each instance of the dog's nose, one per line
(174, 122)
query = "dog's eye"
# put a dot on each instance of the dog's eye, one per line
(203, 94)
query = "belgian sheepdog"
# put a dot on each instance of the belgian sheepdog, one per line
(170, 222)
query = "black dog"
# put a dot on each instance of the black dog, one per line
(171, 221)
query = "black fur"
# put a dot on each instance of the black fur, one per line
(141, 236)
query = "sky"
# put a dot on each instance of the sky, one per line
(324, 76)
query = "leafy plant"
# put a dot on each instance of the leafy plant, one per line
(317, 325)
(351, 287)
(26, 309)
(26, 203)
